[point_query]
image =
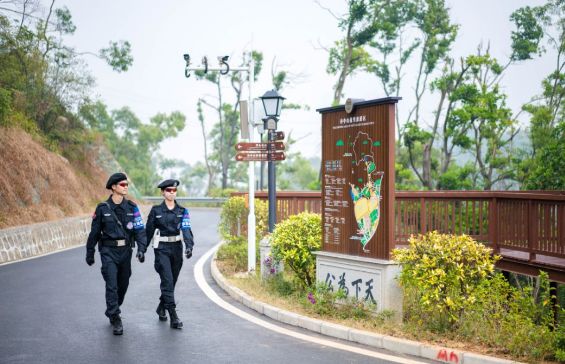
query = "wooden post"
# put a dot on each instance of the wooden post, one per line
(493, 225)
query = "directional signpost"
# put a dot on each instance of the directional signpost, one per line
(260, 152)
(259, 156)
(258, 147)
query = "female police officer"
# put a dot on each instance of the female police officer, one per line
(168, 225)
(116, 224)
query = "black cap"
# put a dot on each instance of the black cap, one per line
(168, 183)
(114, 179)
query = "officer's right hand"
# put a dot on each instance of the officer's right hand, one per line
(90, 259)
(140, 256)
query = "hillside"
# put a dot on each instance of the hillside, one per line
(37, 185)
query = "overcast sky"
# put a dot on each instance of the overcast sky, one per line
(293, 31)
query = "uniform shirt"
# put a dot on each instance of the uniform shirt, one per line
(105, 228)
(170, 223)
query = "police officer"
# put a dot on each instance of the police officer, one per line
(168, 225)
(116, 225)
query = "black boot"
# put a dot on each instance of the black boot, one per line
(116, 322)
(175, 322)
(161, 312)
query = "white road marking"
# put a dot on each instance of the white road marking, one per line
(213, 296)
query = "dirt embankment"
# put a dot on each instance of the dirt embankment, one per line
(37, 185)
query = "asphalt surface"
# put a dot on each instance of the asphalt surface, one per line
(52, 311)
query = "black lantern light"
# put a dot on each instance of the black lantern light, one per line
(272, 103)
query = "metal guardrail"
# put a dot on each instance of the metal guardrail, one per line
(215, 200)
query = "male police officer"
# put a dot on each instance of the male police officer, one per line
(173, 223)
(116, 225)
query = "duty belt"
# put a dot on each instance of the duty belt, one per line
(170, 239)
(115, 242)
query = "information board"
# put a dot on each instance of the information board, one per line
(358, 178)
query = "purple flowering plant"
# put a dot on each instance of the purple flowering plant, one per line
(311, 298)
(271, 264)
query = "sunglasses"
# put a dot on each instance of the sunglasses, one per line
(170, 189)
(123, 184)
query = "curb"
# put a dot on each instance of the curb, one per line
(378, 341)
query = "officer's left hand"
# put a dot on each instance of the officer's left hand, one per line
(188, 253)
(140, 256)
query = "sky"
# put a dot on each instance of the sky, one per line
(294, 33)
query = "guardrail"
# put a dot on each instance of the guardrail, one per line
(526, 227)
(188, 200)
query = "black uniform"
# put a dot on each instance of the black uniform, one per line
(116, 259)
(173, 225)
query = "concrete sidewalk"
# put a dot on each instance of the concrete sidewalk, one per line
(402, 346)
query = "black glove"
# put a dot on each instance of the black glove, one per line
(89, 258)
(140, 256)
(188, 253)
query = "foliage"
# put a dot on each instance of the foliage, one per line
(233, 219)
(133, 143)
(236, 254)
(293, 242)
(542, 164)
(42, 79)
(221, 139)
(546, 171)
(518, 319)
(450, 286)
(296, 173)
(441, 272)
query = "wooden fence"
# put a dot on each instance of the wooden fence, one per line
(526, 228)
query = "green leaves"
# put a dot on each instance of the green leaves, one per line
(442, 271)
(132, 142)
(293, 242)
(527, 37)
(118, 55)
(233, 219)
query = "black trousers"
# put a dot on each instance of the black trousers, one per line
(168, 263)
(116, 270)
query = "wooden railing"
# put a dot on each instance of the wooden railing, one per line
(526, 228)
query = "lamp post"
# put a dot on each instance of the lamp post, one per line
(272, 103)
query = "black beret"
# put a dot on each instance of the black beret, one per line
(168, 183)
(114, 179)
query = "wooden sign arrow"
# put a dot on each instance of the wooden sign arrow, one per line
(259, 156)
(280, 135)
(258, 147)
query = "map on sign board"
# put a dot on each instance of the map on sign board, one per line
(365, 192)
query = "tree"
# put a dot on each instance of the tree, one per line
(223, 135)
(41, 78)
(134, 144)
(348, 55)
(542, 166)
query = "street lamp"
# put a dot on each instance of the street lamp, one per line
(272, 103)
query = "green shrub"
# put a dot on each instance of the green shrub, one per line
(233, 220)
(293, 242)
(236, 253)
(221, 192)
(277, 284)
(439, 274)
(5, 106)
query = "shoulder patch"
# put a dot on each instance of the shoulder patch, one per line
(137, 219)
(185, 223)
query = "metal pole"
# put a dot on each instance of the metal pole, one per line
(272, 182)
(251, 174)
(251, 226)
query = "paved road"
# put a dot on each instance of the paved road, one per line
(52, 311)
